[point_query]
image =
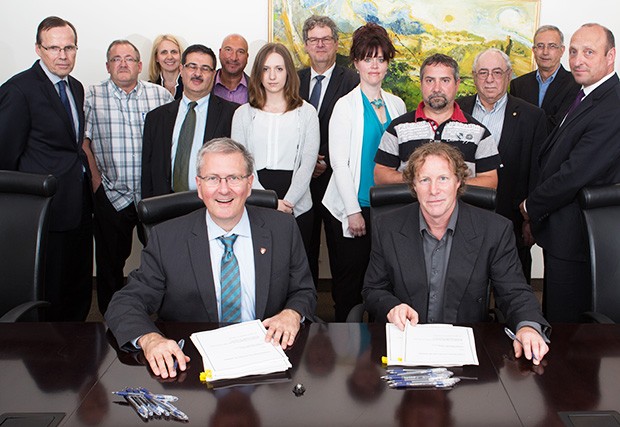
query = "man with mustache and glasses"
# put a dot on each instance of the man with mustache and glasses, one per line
(231, 83)
(438, 118)
(114, 111)
(173, 133)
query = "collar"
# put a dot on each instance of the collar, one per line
(53, 77)
(327, 73)
(121, 93)
(242, 82)
(451, 222)
(551, 77)
(200, 103)
(499, 104)
(242, 228)
(457, 114)
(589, 89)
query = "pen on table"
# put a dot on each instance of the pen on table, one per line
(513, 337)
(137, 407)
(447, 382)
(164, 397)
(181, 344)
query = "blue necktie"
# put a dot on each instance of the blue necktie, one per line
(62, 90)
(230, 282)
(316, 91)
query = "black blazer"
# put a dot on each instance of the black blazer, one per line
(157, 141)
(175, 279)
(483, 253)
(559, 96)
(342, 81)
(583, 151)
(36, 136)
(523, 132)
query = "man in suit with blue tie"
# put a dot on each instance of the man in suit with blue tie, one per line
(581, 151)
(322, 84)
(41, 131)
(224, 263)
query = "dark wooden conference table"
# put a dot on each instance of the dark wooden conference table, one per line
(72, 368)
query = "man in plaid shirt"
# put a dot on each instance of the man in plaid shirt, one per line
(114, 111)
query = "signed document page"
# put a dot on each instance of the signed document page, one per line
(239, 350)
(431, 345)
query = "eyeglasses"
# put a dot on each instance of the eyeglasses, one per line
(195, 67)
(497, 73)
(233, 181)
(127, 59)
(550, 46)
(70, 49)
(313, 41)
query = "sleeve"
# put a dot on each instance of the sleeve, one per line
(148, 139)
(387, 153)
(340, 142)
(309, 150)
(487, 155)
(128, 314)
(513, 295)
(14, 125)
(89, 101)
(239, 132)
(378, 289)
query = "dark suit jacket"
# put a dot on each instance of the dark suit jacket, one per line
(584, 151)
(36, 136)
(342, 81)
(157, 141)
(559, 96)
(175, 278)
(523, 132)
(483, 251)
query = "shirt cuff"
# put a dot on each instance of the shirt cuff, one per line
(535, 325)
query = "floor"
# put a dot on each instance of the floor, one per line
(325, 305)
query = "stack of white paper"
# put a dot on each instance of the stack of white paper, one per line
(239, 350)
(430, 345)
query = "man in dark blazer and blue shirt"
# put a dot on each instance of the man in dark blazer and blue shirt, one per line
(581, 151)
(320, 35)
(162, 125)
(433, 261)
(180, 274)
(41, 132)
(520, 128)
(550, 87)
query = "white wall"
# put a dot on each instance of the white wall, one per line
(206, 22)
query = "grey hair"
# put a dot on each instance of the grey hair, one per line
(544, 28)
(122, 42)
(227, 146)
(495, 50)
(321, 21)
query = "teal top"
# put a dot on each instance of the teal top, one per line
(373, 131)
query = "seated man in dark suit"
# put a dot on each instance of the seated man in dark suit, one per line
(432, 261)
(174, 132)
(258, 250)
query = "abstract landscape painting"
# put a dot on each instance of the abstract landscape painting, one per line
(419, 28)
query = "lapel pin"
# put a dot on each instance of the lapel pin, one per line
(263, 251)
(514, 113)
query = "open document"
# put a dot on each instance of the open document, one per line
(239, 350)
(430, 345)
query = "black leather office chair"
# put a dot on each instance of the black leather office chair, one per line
(158, 209)
(24, 205)
(384, 198)
(601, 210)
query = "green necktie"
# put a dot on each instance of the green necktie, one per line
(184, 150)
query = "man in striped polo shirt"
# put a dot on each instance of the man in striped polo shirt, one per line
(438, 118)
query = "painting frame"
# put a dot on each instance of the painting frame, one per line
(459, 28)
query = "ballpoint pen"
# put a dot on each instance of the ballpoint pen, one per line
(513, 337)
(441, 383)
(137, 407)
(160, 397)
(181, 344)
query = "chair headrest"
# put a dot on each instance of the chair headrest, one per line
(27, 183)
(390, 194)
(598, 197)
